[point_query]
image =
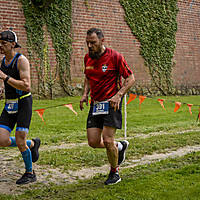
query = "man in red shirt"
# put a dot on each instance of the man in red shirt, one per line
(104, 69)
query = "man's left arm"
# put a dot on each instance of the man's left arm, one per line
(116, 99)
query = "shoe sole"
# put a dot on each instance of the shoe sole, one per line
(124, 152)
(30, 181)
(37, 148)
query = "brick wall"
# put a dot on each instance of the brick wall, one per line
(109, 16)
(187, 54)
(11, 15)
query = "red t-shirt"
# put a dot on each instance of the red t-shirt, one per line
(105, 74)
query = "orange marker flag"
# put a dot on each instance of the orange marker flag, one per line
(131, 98)
(40, 112)
(141, 99)
(161, 103)
(71, 108)
(177, 106)
(190, 106)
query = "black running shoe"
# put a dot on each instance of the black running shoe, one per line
(34, 149)
(121, 154)
(27, 178)
(113, 178)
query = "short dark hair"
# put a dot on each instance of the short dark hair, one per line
(97, 31)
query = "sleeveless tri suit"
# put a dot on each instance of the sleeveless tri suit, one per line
(18, 103)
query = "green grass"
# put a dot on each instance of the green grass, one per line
(170, 179)
(75, 158)
(150, 116)
(78, 157)
(63, 126)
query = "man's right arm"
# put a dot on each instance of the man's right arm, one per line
(85, 93)
(24, 83)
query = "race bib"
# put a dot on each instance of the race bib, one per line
(11, 106)
(101, 108)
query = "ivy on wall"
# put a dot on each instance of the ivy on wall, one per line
(153, 22)
(55, 16)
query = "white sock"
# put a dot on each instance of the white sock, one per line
(120, 146)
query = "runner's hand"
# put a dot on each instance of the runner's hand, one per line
(83, 99)
(2, 75)
(115, 101)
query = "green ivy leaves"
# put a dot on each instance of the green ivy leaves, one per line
(153, 22)
(55, 15)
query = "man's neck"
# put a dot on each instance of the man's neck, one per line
(103, 49)
(9, 56)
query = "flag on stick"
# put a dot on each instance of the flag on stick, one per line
(131, 98)
(190, 108)
(71, 108)
(161, 103)
(177, 106)
(40, 112)
(141, 99)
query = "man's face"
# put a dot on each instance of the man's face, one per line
(94, 45)
(5, 46)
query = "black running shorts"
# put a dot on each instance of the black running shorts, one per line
(112, 119)
(22, 118)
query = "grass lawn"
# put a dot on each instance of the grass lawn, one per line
(63, 126)
(171, 179)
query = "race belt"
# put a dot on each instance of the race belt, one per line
(11, 105)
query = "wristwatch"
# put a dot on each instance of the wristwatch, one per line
(6, 79)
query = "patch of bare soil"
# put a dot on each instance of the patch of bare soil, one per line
(12, 169)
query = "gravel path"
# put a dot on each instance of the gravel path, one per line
(11, 170)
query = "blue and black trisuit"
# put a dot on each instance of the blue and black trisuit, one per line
(17, 110)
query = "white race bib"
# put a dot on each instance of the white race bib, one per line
(101, 108)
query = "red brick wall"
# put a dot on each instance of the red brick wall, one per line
(11, 15)
(109, 16)
(187, 54)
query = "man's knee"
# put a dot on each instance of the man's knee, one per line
(21, 145)
(21, 140)
(108, 143)
(4, 138)
(94, 137)
(4, 142)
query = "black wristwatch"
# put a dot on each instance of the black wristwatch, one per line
(6, 79)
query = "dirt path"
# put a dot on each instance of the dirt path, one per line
(10, 170)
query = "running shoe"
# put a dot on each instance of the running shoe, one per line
(27, 178)
(113, 178)
(35, 149)
(121, 154)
